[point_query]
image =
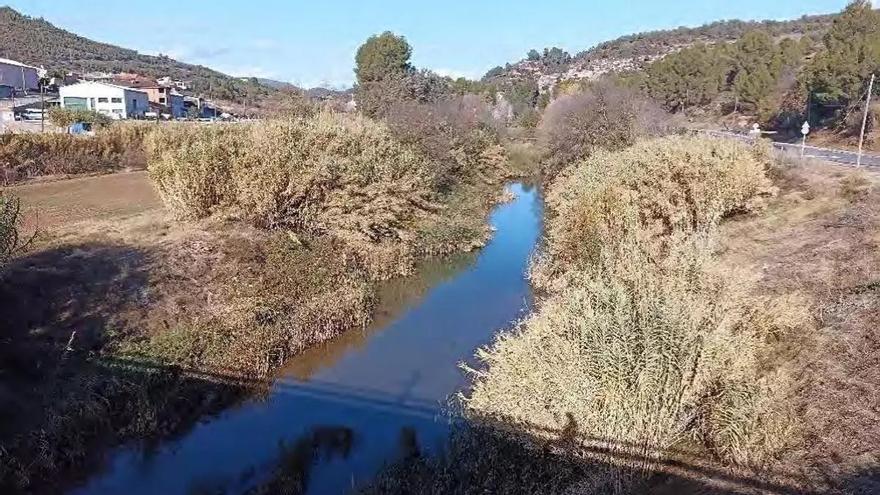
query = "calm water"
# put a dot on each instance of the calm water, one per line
(361, 396)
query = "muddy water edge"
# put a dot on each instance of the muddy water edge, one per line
(340, 411)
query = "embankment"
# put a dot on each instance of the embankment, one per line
(273, 238)
(646, 356)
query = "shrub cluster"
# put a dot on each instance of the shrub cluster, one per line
(387, 192)
(24, 156)
(642, 344)
(11, 240)
(604, 116)
(289, 173)
(456, 133)
(655, 188)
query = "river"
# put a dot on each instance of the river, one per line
(363, 397)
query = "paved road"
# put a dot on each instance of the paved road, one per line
(831, 155)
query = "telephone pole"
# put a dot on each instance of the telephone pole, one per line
(865, 120)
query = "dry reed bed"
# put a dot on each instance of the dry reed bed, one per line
(30, 155)
(643, 345)
(336, 175)
(323, 206)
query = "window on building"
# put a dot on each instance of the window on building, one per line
(117, 111)
(162, 100)
(116, 100)
(134, 104)
(74, 102)
(102, 100)
(162, 91)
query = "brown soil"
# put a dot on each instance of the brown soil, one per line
(830, 139)
(818, 240)
(53, 205)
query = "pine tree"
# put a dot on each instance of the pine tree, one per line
(850, 53)
(757, 66)
(693, 76)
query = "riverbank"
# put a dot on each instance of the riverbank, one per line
(132, 325)
(800, 268)
(340, 410)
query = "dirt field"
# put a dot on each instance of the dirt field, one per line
(818, 241)
(51, 205)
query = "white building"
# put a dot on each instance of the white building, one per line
(19, 76)
(118, 102)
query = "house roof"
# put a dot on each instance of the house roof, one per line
(16, 63)
(99, 83)
(141, 84)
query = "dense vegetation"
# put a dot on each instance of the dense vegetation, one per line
(117, 147)
(748, 70)
(599, 116)
(37, 42)
(782, 72)
(12, 241)
(658, 42)
(782, 81)
(649, 44)
(640, 345)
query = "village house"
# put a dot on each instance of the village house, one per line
(18, 76)
(118, 102)
(163, 97)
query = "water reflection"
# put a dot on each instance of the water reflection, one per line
(394, 298)
(340, 411)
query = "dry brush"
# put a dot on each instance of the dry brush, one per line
(643, 346)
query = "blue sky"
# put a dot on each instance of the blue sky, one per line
(313, 42)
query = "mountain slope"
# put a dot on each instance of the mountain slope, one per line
(38, 42)
(635, 51)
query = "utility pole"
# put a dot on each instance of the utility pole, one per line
(42, 107)
(865, 119)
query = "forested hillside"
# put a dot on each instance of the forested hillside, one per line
(38, 42)
(657, 42)
(635, 50)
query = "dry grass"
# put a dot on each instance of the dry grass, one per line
(329, 175)
(12, 239)
(649, 191)
(819, 240)
(643, 344)
(29, 155)
(604, 116)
